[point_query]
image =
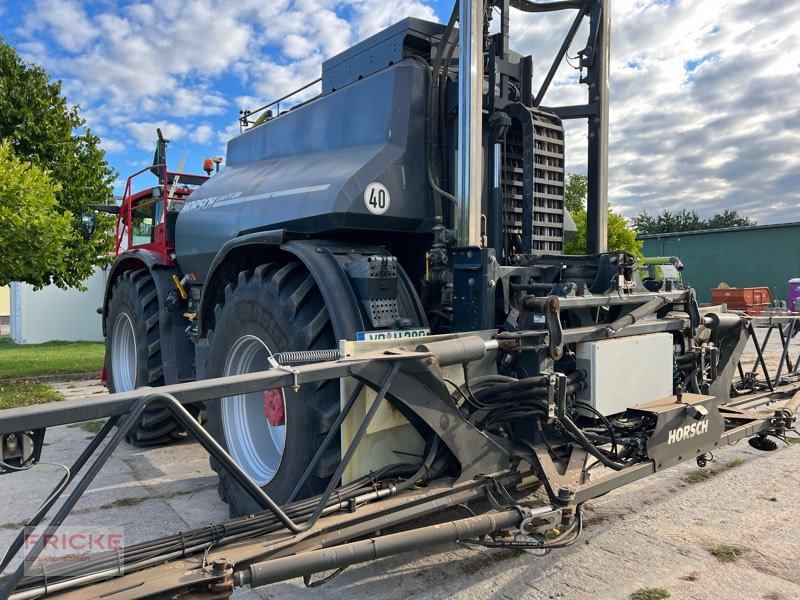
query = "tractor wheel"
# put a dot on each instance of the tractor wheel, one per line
(133, 352)
(271, 435)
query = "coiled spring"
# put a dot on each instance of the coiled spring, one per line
(305, 357)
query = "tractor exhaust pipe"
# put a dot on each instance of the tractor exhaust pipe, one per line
(470, 121)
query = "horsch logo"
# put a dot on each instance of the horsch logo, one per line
(687, 431)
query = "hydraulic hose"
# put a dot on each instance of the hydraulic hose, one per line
(539, 381)
(434, 112)
(186, 543)
(537, 388)
(581, 439)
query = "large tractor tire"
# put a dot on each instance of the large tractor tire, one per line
(133, 352)
(274, 435)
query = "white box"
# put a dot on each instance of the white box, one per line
(626, 371)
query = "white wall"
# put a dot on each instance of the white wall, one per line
(55, 314)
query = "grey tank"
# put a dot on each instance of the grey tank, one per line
(306, 170)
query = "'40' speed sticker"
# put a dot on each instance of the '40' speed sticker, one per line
(376, 198)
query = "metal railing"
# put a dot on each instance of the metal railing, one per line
(244, 119)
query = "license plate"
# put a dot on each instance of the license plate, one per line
(395, 334)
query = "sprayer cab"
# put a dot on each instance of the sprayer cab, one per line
(146, 218)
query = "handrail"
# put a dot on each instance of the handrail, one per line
(244, 121)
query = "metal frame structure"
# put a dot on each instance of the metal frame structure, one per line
(788, 327)
(409, 379)
(595, 58)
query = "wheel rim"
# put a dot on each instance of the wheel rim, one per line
(255, 444)
(123, 354)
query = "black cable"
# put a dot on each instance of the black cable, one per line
(536, 386)
(581, 440)
(434, 131)
(516, 384)
(249, 526)
(456, 388)
(603, 418)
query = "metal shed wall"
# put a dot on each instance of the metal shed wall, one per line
(51, 313)
(761, 256)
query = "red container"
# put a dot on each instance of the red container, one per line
(750, 300)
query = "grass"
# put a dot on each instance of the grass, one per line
(18, 360)
(703, 474)
(649, 594)
(727, 553)
(15, 526)
(123, 502)
(26, 393)
(89, 426)
(487, 559)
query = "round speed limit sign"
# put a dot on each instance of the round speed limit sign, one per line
(376, 198)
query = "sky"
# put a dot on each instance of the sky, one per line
(705, 95)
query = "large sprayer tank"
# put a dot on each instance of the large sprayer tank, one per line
(306, 170)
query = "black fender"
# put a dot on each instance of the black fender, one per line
(177, 350)
(237, 254)
(129, 260)
(324, 259)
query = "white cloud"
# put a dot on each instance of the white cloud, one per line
(111, 145)
(374, 15)
(144, 133)
(703, 104)
(704, 110)
(67, 22)
(202, 134)
(198, 101)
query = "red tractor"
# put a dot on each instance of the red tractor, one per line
(144, 271)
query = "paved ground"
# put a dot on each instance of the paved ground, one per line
(654, 533)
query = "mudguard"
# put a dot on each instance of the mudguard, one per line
(177, 352)
(127, 261)
(327, 262)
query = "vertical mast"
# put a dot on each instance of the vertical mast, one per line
(597, 209)
(470, 121)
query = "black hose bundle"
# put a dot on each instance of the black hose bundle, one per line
(509, 402)
(141, 555)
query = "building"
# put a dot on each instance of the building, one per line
(5, 308)
(51, 313)
(758, 256)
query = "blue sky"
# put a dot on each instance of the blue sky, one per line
(704, 94)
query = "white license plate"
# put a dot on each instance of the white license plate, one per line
(395, 334)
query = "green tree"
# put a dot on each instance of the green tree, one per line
(667, 221)
(43, 130)
(729, 218)
(576, 189)
(687, 220)
(31, 222)
(620, 235)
